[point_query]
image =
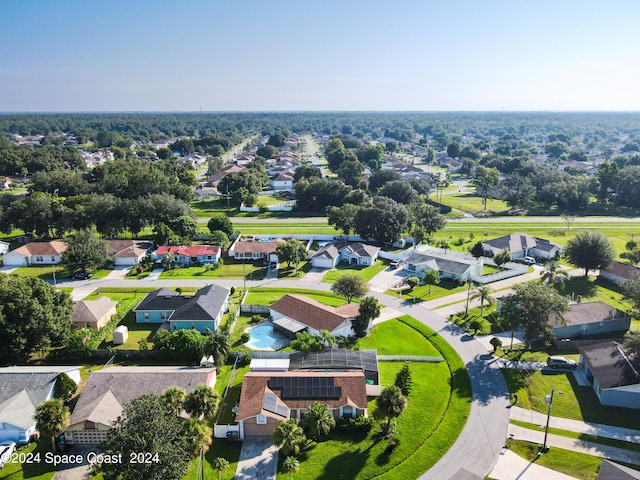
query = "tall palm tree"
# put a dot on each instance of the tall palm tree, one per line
(291, 465)
(391, 403)
(201, 402)
(218, 345)
(328, 340)
(221, 465)
(318, 420)
(174, 399)
(483, 293)
(553, 273)
(52, 417)
(289, 437)
(197, 434)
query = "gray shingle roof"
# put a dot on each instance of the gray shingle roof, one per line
(443, 262)
(205, 304)
(328, 251)
(609, 365)
(592, 312)
(21, 393)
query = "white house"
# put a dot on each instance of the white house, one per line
(352, 253)
(22, 389)
(522, 245)
(4, 247)
(611, 374)
(296, 313)
(282, 181)
(129, 252)
(452, 266)
(248, 248)
(36, 253)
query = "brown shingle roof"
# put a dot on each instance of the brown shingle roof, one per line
(129, 248)
(262, 247)
(92, 310)
(313, 313)
(254, 384)
(43, 248)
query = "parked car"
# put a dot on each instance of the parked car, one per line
(529, 260)
(395, 264)
(81, 275)
(555, 361)
(6, 449)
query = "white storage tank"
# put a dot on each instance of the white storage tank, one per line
(120, 335)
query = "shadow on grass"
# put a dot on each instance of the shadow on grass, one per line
(346, 465)
(577, 286)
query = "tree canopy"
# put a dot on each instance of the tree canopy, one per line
(350, 285)
(591, 250)
(85, 252)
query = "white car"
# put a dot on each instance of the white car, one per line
(6, 449)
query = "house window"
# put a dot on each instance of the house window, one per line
(164, 316)
(89, 425)
(147, 316)
(261, 419)
(39, 258)
(53, 259)
(87, 324)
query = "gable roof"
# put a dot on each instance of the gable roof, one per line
(107, 390)
(129, 248)
(620, 269)
(205, 304)
(54, 247)
(591, 312)
(609, 365)
(328, 251)
(361, 249)
(256, 246)
(314, 314)
(440, 262)
(520, 241)
(352, 387)
(189, 250)
(92, 310)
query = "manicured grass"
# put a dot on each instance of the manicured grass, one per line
(231, 269)
(290, 272)
(266, 296)
(421, 292)
(471, 203)
(575, 402)
(219, 448)
(284, 228)
(593, 289)
(397, 338)
(436, 413)
(474, 315)
(576, 465)
(233, 395)
(32, 471)
(244, 321)
(581, 436)
(43, 272)
(366, 272)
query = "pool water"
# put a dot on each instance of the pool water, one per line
(263, 338)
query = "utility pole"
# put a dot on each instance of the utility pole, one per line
(549, 399)
(466, 309)
(53, 272)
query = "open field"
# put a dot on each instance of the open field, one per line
(268, 295)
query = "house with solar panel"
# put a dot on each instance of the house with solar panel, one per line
(201, 311)
(282, 385)
(293, 314)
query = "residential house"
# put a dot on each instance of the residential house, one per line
(591, 318)
(4, 247)
(201, 311)
(248, 248)
(214, 180)
(129, 252)
(355, 253)
(93, 313)
(522, 245)
(36, 253)
(267, 398)
(611, 374)
(22, 389)
(292, 314)
(281, 181)
(107, 390)
(618, 272)
(451, 266)
(189, 254)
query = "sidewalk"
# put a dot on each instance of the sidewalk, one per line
(606, 431)
(565, 443)
(511, 466)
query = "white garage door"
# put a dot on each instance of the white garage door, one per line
(89, 437)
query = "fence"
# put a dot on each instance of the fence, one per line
(226, 431)
(409, 358)
(254, 308)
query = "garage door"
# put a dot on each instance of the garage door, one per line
(89, 437)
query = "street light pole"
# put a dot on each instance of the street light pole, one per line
(466, 309)
(549, 399)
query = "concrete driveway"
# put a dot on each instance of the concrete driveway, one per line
(119, 272)
(75, 471)
(315, 274)
(387, 279)
(258, 459)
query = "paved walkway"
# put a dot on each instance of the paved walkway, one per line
(566, 443)
(511, 466)
(258, 459)
(607, 431)
(155, 274)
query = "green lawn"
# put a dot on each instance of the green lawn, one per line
(576, 465)
(267, 295)
(219, 448)
(244, 321)
(575, 402)
(43, 272)
(366, 272)
(421, 292)
(472, 203)
(32, 471)
(231, 269)
(436, 413)
(289, 273)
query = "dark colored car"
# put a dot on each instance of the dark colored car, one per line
(81, 276)
(561, 362)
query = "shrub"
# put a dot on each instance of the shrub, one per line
(64, 387)
(233, 289)
(356, 425)
(245, 337)
(403, 380)
(495, 343)
(392, 444)
(245, 359)
(412, 282)
(256, 318)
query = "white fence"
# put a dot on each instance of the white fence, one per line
(225, 431)
(511, 270)
(278, 207)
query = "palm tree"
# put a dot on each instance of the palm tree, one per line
(221, 465)
(327, 339)
(391, 403)
(318, 420)
(52, 417)
(201, 402)
(289, 437)
(483, 293)
(291, 465)
(198, 435)
(174, 398)
(305, 343)
(553, 273)
(218, 345)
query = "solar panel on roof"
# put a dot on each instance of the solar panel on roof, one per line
(270, 402)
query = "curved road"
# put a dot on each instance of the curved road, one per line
(477, 448)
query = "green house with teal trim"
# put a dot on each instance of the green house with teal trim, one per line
(201, 311)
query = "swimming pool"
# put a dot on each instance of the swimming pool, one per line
(263, 338)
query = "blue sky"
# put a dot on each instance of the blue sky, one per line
(139, 55)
